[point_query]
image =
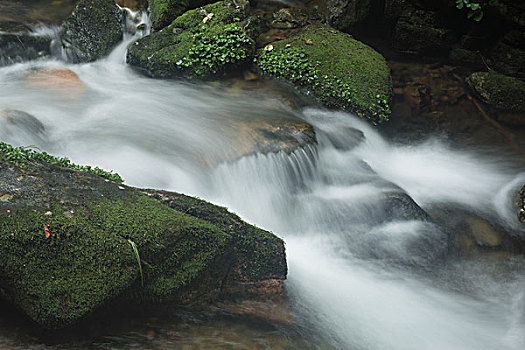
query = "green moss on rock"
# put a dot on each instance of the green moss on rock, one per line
(340, 71)
(91, 32)
(199, 44)
(499, 90)
(163, 12)
(65, 247)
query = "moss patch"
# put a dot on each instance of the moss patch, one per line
(499, 90)
(199, 44)
(340, 71)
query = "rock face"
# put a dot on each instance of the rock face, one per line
(163, 12)
(340, 71)
(94, 28)
(499, 90)
(520, 204)
(68, 239)
(202, 43)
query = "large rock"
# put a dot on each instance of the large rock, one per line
(68, 239)
(340, 71)
(498, 90)
(163, 12)
(345, 14)
(91, 32)
(508, 55)
(202, 43)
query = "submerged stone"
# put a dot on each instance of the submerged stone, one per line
(19, 43)
(68, 239)
(201, 43)
(92, 31)
(340, 71)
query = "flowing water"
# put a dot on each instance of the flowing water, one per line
(360, 277)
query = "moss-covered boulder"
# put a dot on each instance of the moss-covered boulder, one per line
(201, 43)
(73, 242)
(163, 12)
(92, 30)
(340, 71)
(499, 90)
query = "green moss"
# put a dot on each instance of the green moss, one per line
(21, 156)
(499, 90)
(87, 260)
(195, 47)
(165, 11)
(340, 71)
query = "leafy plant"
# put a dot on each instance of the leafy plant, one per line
(22, 156)
(475, 11)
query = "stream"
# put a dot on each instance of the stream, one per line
(359, 277)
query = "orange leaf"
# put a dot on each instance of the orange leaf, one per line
(46, 230)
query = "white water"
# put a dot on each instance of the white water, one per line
(358, 278)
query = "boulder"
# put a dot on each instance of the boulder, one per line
(338, 70)
(498, 90)
(92, 31)
(508, 54)
(202, 43)
(163, 12)
(345, 14)
(73, 242)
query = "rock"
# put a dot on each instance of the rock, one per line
(421, 32)
(498, 90)
(400, 206)
(53, 78)
(289, 17)
(163, 12)
(92, 31)
(23, 120)
(508, 55)
(346, 139)
(340, 71)
(483, 233)
(345, 14)
(201, 43)
(509, 10)
(18, 43)
(59, 269)
(520, 204)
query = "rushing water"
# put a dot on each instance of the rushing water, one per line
(359, 278)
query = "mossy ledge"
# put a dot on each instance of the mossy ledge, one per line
(340, 71)
(202, 43)
(65, 247)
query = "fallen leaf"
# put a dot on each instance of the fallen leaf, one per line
(46, 230)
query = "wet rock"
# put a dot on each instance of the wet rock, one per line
(92, 31)
(345, 14)
(19, 43)
(53, 78)
(400, 206)
(202, 43)
(421, 32)
(508, 55)
(23, 120)
(163, 12)
(338, 70)
(288, 18)
(59, 268)
(483, 233)
(498, 90)
(520, 204)
(346, 139)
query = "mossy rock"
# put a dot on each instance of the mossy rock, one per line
(340, 71)
(201, 43)
(66, 251)
(92, 30)
(499, 90)
(163, 12)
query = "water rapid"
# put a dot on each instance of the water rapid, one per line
(361, 274)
